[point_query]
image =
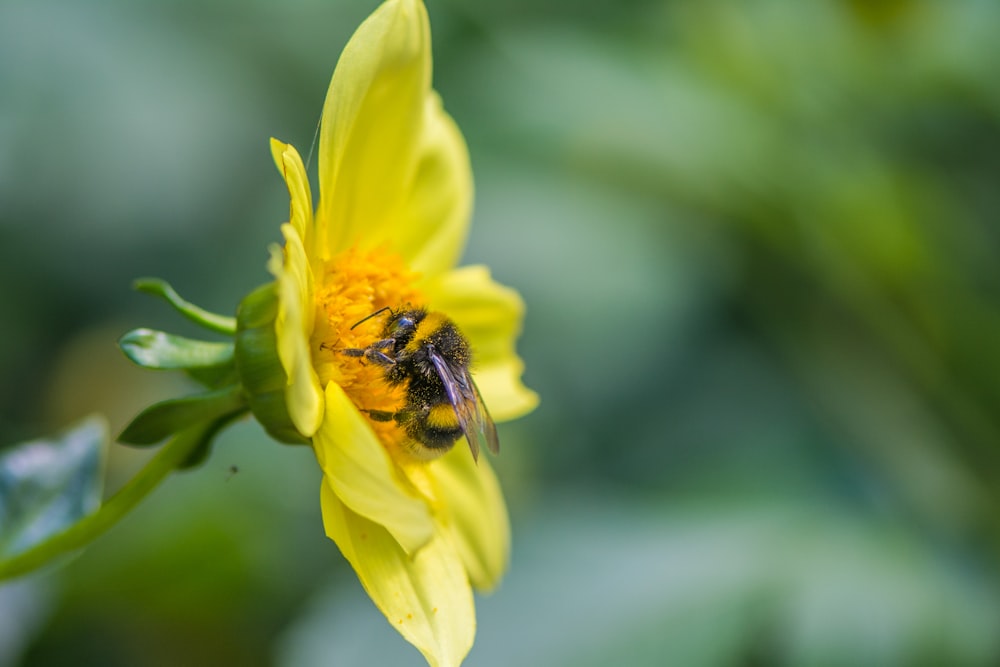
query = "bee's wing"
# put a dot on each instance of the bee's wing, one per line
(464, 396)
(486, 425)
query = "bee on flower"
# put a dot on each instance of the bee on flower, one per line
(429, 355)
(389, 354)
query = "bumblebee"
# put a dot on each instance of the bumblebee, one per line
(427, 354)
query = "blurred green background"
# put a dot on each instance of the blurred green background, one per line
(759, 246)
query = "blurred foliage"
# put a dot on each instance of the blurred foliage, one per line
(48, 485)
(758, 243)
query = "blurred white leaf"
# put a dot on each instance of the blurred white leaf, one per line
(47, 485)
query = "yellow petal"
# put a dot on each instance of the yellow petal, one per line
(505, 395)
(393, 167)
(293, 327)
(300, 215)
(360, 471)
(475, 513)
(431, 226)
(425, 596)
(490, 315)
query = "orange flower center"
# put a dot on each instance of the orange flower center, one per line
(349, 288)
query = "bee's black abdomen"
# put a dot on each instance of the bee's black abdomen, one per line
(428, 416)
(434, 438)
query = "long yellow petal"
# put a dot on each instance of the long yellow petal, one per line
(393, 168)
(372, 121)
(490, 315)
(433, 222)
(300, 216)
(425, 596)
(293, 327)
(475, 513)
(362, 474)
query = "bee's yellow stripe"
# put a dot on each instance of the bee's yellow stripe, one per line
(442, 416)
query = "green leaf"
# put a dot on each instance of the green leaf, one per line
(175, 454)
(163, 351)
(162, 289)
(162, 420)
(49, 484)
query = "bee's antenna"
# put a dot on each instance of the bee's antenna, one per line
(377, 312)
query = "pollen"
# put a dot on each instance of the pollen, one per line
(349, 288)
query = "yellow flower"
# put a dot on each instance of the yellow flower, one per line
(395, 194)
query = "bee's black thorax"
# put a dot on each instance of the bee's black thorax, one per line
(415, 335)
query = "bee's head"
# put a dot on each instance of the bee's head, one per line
(402, 324)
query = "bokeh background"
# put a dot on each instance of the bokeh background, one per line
(759, 247)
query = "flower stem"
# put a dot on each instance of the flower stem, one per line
(90, 527)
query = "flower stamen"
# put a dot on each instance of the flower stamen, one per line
(352, 286)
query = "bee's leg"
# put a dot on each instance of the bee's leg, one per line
(373, 352)
(380, 415)
(401, 416)
(380, 358)
(382, 344)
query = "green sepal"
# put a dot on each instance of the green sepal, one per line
(161, 288)
(160, 421)
(260, 369)
(163, 351)
(214, 377)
